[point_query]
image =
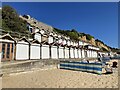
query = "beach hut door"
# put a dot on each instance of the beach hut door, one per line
(7, 51)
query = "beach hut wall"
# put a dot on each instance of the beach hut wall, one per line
(50, 39)
(66, 52)
(76, 52)
(38, 36)
(79, 53)
(61, 52)
(83, 53)
(35, 50)
(45, 52)
(22, 49)
(88, 53)
(54, 52)
(72, 52)
(68, 42)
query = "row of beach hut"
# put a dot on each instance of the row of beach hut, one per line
(24, 49)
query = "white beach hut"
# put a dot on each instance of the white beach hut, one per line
(66, 52)
(83, 53)
(72, 52)
(45, 51)
(79, 53)
(22, 49)
(54, 52)
(76, 52)
(61, 52)
(35, 50)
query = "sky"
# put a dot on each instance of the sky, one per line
(100, 19)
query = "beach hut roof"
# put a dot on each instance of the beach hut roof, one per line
(7, 36)
(23, 38)
(35, 41)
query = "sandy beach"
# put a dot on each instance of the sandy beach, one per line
(59, 78)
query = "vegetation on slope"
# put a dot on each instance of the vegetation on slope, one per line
(11, 20)
(73, 34)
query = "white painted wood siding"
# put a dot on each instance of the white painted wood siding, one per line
(54, 52)
(37, 37)
(45, 52)
(83, 53)
(66, 52)
(22, 51)
(35, 51)
(76, 53)
(50, 39)
(71, 52)
(79, 53)
(61, 52)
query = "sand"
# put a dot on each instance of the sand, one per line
(59, 78)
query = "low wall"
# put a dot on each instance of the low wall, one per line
(24, 66)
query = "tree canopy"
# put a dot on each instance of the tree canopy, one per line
(11, 20)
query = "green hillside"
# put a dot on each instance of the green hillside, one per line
(11, 21)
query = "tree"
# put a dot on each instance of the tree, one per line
(12, 21)
(89, 37)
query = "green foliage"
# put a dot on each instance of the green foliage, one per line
(11, 20)
(73, 34)
(89, 37)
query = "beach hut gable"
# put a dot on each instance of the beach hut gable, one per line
(7, 38)
(35, 42)
(23, 41)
